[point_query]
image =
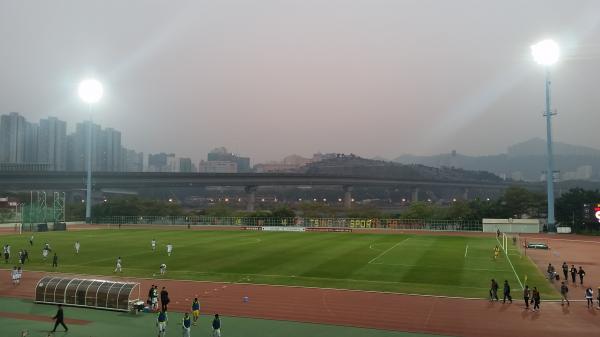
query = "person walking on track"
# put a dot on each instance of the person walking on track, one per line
(195, 309)
(589, 296)
(526, 296)
(565, 268)
(573, 272)
(564, 290)
(506, 292)
(60, 319)
(535, 294)
(581, 273)
(494, 290)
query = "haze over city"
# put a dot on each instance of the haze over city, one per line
(271, 78)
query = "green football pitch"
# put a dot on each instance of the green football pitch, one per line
(404, 263)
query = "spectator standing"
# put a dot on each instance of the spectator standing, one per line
(581, 274)
(150, 292)
(164, 299)
(564, 290)
(216, 325)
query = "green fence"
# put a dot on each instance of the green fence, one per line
(405, 224)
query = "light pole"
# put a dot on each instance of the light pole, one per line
(546, 53)
(90, 91)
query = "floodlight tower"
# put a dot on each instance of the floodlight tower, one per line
(90, 91)
(546, 53)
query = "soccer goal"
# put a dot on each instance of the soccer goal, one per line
(513, 244)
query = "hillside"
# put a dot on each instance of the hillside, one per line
(356, 166)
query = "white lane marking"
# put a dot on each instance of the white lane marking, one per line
(387, 250)
(513, 268)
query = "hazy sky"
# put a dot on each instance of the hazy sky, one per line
(268, 78)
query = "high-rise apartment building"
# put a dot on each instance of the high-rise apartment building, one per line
(52, 143)
(12, 138)
(222, 155)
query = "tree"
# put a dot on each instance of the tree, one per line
(517, 201)
(283, 212)
(569, 207)
(419, 210)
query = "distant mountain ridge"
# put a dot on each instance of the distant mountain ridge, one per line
(537, 147)
(523, 161)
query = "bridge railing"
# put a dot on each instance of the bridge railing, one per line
(375, 223)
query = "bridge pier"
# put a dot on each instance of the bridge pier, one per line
(415, 194)
(348, 197)
(250, 197)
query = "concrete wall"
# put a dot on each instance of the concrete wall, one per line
(512, 225)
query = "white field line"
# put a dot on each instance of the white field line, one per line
(284, 286)
(513, 268)
(433, 266)
(387, 250)
(466, 250)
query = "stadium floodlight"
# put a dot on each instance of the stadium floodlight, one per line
(90, 91)
(545, 52)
